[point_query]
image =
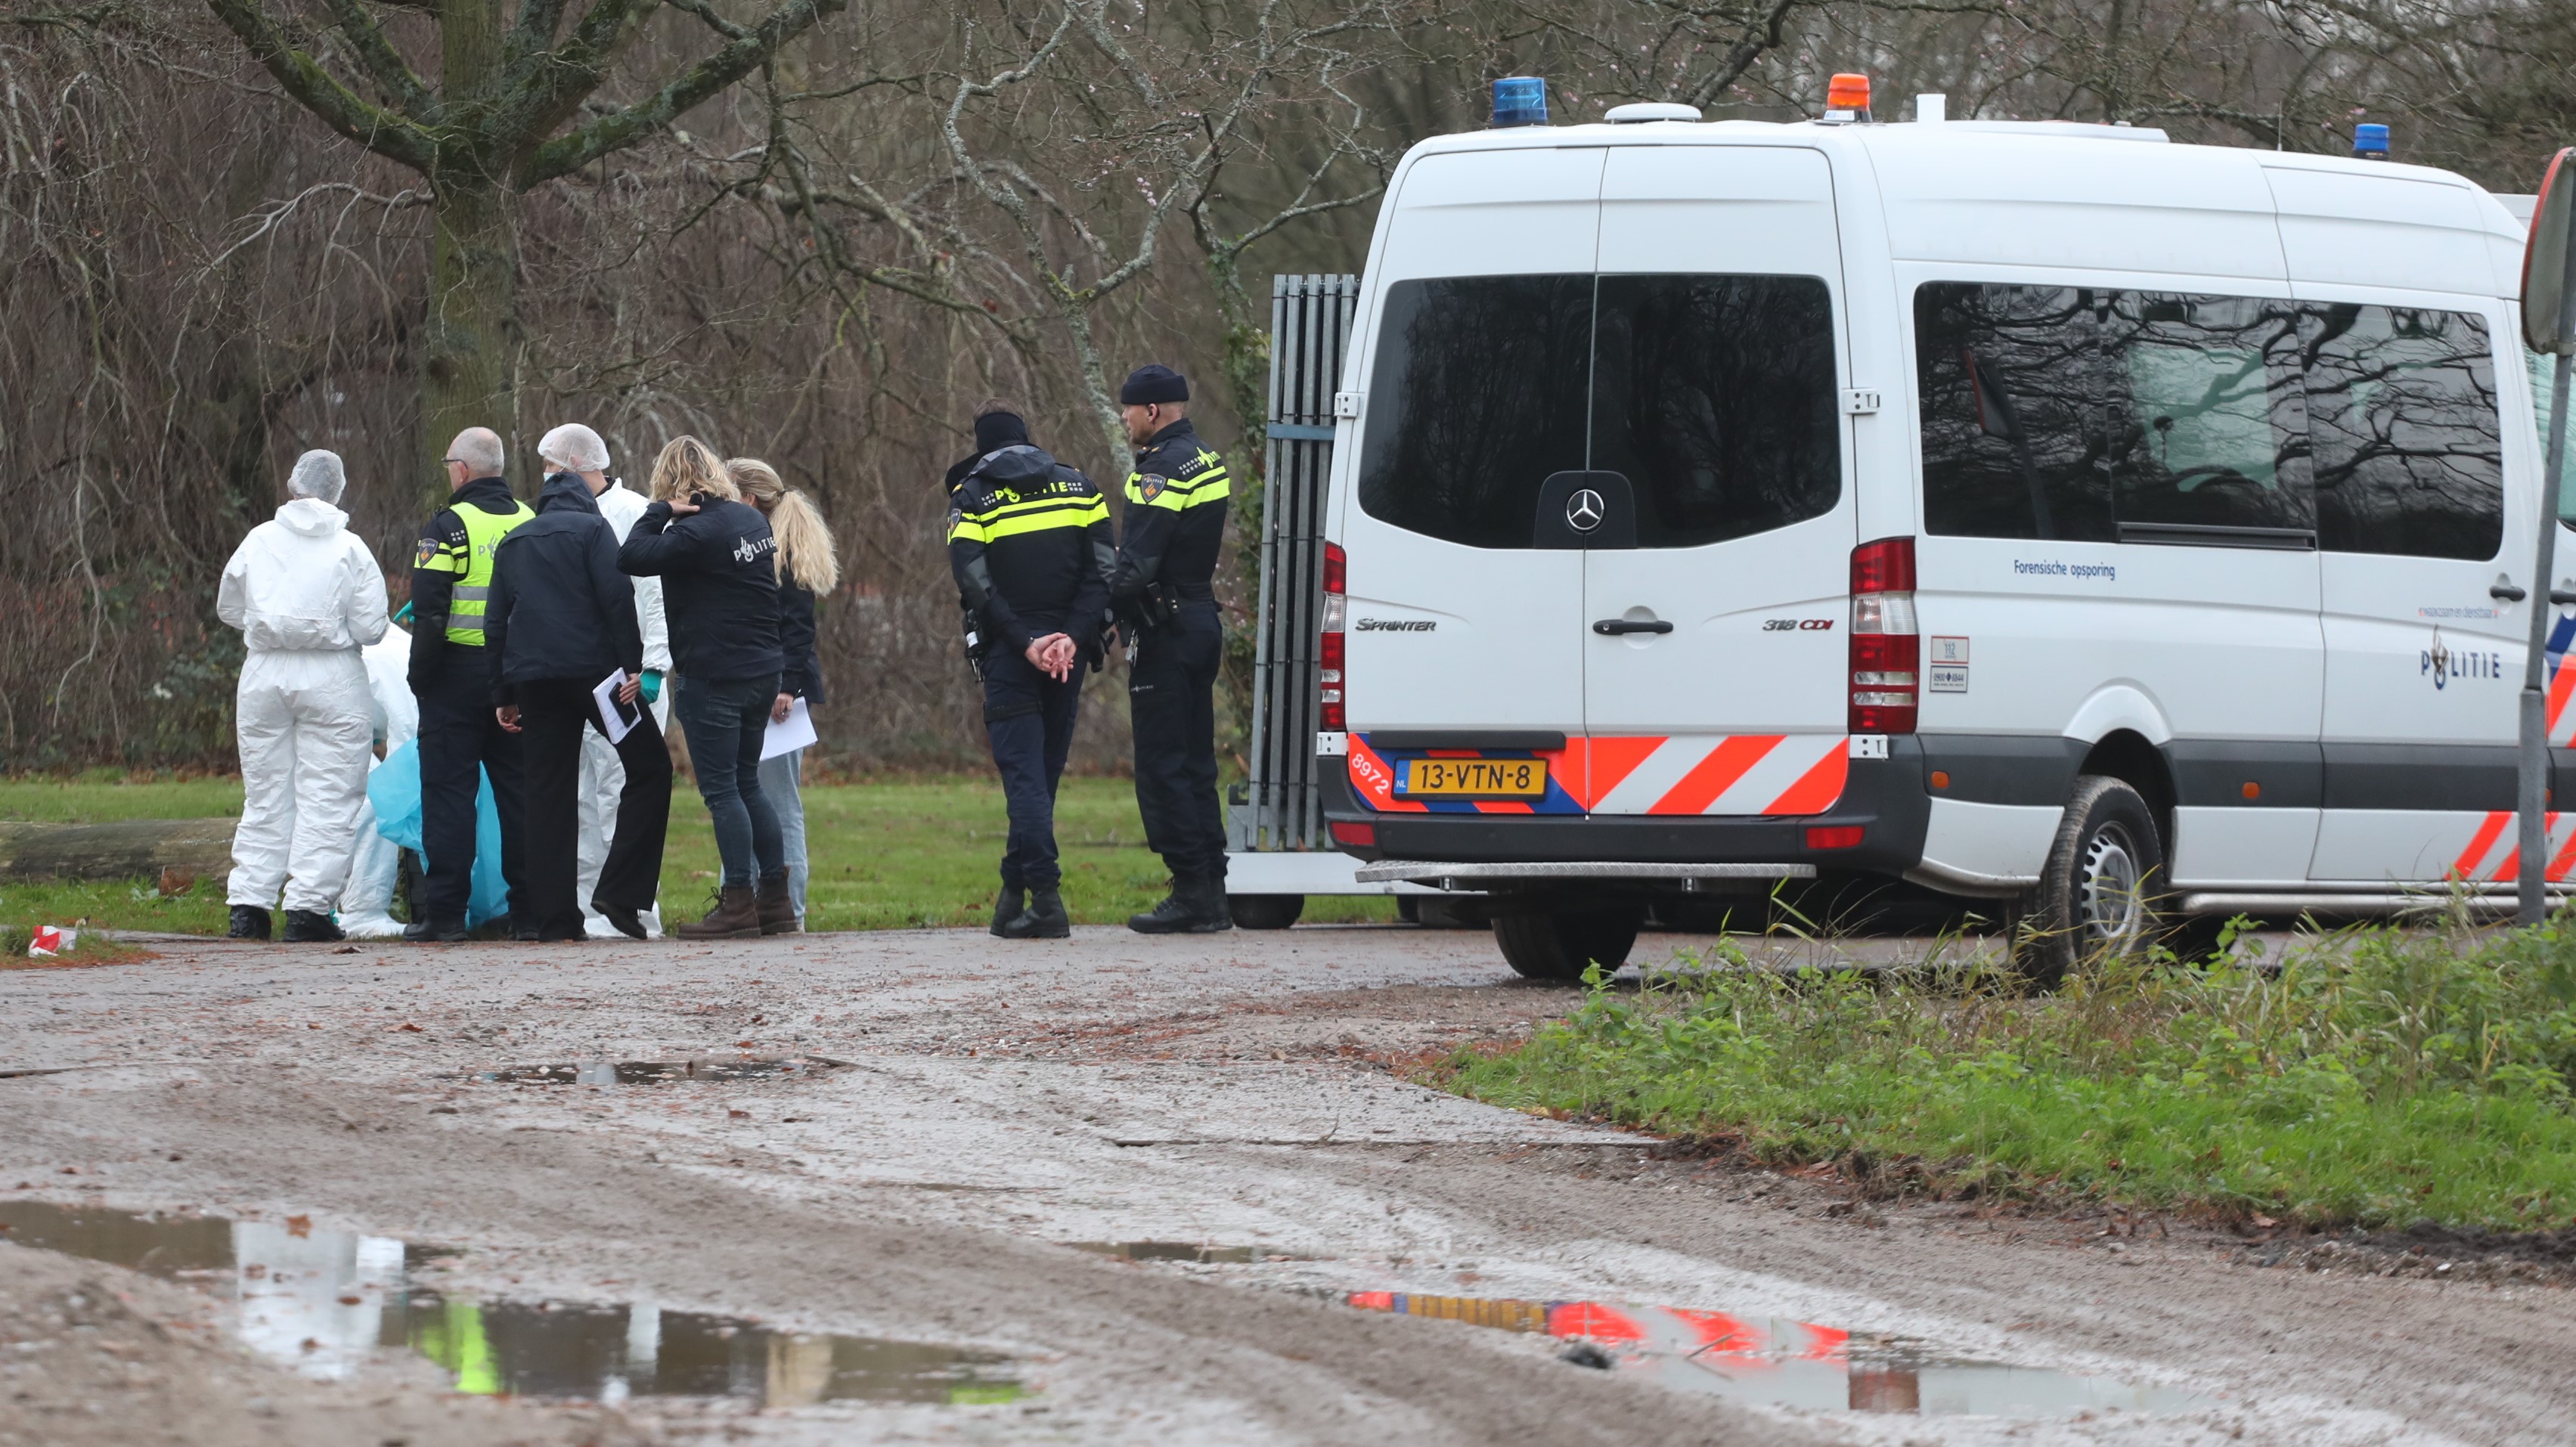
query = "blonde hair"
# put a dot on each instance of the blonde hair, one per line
(805, 548)
(689, 466)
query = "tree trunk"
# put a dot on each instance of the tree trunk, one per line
(470, 369)
(470, 364)
(126, 849)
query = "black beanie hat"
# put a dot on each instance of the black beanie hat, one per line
(1153, 382)
(996, 430)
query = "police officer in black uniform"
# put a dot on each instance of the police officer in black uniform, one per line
(1163, 591)
(1030, 545)
(451, 584)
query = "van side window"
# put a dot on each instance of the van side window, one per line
(2543, 367)
(1477, 396)
(2010, 387)
(2204, 423)
(1714, 395)
(2403, 424)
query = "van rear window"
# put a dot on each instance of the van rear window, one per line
(1477, 397)
(1713, 395)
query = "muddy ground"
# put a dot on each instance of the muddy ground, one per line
(969, 1187)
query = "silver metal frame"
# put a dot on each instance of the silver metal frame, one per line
(1310, 326)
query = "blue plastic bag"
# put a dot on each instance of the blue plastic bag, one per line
(394, 788)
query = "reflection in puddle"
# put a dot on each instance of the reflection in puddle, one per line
(1793, 1363)
(1166, 1251)
(662, 1072)
(323, 1301)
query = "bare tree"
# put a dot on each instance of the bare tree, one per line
(506, 115)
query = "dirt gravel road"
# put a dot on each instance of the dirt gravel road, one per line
(1146, 1190)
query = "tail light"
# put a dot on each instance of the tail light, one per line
(1337, 609)
(1886, 647)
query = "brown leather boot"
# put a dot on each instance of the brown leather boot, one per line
(777, 906)
(735, 917)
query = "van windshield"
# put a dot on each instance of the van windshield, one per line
(1712, 394)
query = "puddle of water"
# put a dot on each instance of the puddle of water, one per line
(1167, 1251)
(324, 1302)
(661, 1072)
(1793, 1363)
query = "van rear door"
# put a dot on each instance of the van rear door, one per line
(1714, 586)
(1464, 638)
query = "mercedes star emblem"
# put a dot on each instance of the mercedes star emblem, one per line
(1583, 511)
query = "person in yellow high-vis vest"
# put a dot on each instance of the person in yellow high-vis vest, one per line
(451, 584)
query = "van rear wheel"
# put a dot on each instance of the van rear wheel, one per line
(2100, 894)
(1265, 911)
(1559, 944)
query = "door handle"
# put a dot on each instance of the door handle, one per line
(2507, 592)
(1613, 627)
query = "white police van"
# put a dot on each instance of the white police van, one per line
(2032, 512)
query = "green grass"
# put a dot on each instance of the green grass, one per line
(891, 854)
(2380, 1077)
(105, 796)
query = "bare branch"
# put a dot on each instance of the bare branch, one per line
(384, 132)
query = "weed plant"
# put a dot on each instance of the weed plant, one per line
(2375, 1076)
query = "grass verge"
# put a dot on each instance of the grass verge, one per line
(2374, 1077)
(884, 854)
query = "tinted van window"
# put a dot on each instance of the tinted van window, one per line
(1477, 395)
(1714, 396)
(2010, 384)
(2403, 424)
(2203, 414)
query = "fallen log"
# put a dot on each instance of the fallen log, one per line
(126, 849)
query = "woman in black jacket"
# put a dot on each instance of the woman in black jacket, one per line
(560, 619)
(807, 568)
(715, 556)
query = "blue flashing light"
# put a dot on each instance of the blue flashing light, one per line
(1520, 100)
(2370, 142)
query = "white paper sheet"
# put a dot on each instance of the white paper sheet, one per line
(796, 732)
(615, 717)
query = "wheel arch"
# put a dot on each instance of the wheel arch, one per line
(2126, 755)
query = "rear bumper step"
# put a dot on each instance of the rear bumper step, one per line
(1419, 871)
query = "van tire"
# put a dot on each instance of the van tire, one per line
(1265, 911)
(1559, 945)
(2102, 889)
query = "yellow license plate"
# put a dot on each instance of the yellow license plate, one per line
(1470, 778)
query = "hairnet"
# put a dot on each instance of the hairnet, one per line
(318, 474)
(575, 447)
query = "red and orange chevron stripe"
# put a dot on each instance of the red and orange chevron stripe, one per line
(1744, 774)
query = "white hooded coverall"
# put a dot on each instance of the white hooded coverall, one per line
(603, 778)
(306, 596)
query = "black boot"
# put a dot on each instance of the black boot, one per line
(250, 922)
(1177, 914)
(311, 927)
(1009, 905)
(1044, 919)
(1215, 916)
(436, 932)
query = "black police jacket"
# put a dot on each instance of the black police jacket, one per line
(719, 575)
(560, 608)
(1175, 519)
(1030, 545)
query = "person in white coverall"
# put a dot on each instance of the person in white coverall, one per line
(577, 449)
(307, 596)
